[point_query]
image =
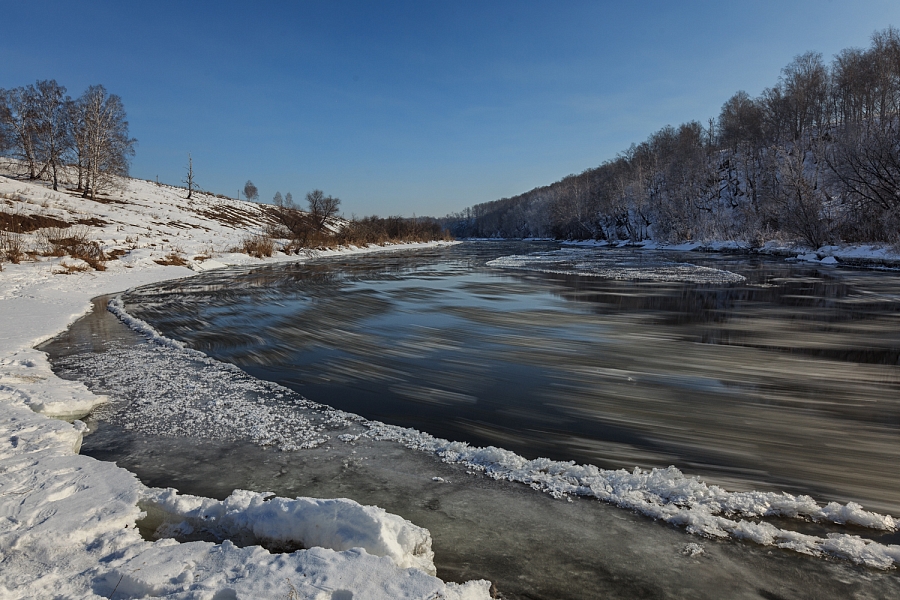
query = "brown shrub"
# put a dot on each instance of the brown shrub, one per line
(258, 246)
(16, 222)
(75, 242)
(12, 247)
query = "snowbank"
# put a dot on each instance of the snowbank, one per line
(866, 255)
(256, 518)
(68, 522)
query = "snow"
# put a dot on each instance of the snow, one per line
(68, 523)
(871, 255)
(587, 264)
(338, 524)
(670, 496)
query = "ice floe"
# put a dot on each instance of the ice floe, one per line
(588, 263)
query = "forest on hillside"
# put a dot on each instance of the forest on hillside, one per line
(815, 159)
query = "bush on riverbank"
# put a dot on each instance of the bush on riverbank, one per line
(377, 230)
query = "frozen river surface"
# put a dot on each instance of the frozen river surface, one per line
(755, 375)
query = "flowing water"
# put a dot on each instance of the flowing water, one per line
(752, 373)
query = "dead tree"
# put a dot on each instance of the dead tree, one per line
(189, 177)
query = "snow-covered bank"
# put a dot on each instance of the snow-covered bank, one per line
(68, 522)
(863, 255)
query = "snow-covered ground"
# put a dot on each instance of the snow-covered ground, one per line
(68, 522)
(871, 255)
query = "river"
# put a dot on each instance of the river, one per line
(753, 373)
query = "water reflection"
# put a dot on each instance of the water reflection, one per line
(786, 380)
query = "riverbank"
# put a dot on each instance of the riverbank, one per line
(98, 551)
(871, 256)
(69, 521)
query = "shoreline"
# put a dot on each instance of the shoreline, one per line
(73, 517)
(192, 507)
(866, 256)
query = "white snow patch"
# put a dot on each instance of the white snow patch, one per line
(258, 518)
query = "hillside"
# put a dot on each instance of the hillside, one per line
(142, 221)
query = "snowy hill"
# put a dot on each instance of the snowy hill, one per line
(142, 220)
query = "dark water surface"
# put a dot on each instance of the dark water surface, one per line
(787, 380)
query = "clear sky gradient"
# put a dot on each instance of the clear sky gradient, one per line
(413, 107)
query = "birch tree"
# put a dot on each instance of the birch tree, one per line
(106, 143)
(250, 191)
(17, 111)
(51, 127)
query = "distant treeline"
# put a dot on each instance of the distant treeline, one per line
(815, 158)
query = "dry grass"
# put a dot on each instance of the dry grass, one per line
(75, 242)
(12, 247)
(66, 268)
(173, 259)
(258, 245)
(16, 222)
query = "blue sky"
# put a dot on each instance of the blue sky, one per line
(413, 107)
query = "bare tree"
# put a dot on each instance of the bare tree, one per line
(52, 131)
(189, 177)
(79, 132)
(321, 208)
(250, 191)
(741, 122)
(104, 139)
(296, 224)
(803, 90)
(17, 111)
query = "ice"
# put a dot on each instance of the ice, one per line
(116, 307)
(256, 518)
(23, 379)
(179, 391)
(585, 262)
(529, 544)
